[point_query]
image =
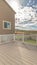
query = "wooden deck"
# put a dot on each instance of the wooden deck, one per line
(15, 53)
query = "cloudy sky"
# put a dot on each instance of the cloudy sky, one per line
(26, 13)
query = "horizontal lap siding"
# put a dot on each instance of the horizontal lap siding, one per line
(6, 14)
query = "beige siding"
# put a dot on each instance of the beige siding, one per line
(7, 14)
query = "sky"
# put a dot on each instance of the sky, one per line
(26, 14)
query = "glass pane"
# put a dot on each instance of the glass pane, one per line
(8, 25)
(5, 24)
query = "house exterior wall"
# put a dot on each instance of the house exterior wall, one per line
(6, 14)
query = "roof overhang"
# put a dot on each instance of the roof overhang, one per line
(9, 6)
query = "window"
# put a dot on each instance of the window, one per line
(6, 25)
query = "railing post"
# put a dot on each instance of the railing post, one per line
(0, 39)
(23, 38)
(36, 38)
(14, 37)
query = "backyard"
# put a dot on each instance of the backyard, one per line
(27, 40)
(31, 41)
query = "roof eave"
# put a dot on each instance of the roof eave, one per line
(9, 6)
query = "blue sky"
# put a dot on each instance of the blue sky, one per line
(28, 2)
(26, 14)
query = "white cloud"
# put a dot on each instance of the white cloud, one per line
(24, 14)
(29, 1)
(27, 13)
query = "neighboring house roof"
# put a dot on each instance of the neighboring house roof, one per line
(9, 6)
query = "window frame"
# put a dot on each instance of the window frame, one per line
(7, 22)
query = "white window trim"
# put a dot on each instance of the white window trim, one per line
(7, 28)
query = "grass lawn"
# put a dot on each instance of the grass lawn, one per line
(31, 41)
(19, 37)
(27, 41)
